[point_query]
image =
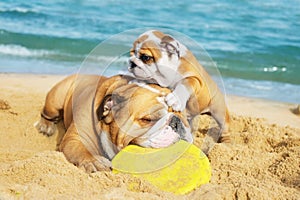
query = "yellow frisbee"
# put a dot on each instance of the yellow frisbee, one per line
(179, 168)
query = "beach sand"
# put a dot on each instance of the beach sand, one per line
(261, 163)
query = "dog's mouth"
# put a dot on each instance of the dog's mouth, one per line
(132, 66)
(134, 63)
(166, 131)
(138, 71)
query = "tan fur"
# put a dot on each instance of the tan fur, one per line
(158, 34)
(75, 99)
(205, 94)
(151, 49)
(58, 100)
(141, 39)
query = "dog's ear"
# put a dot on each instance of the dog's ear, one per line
(105, 107)
(132, 51)
(104, 111)
(170, 45)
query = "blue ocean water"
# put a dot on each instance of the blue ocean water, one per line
(254, 44)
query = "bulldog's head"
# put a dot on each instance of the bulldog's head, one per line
(135, 115)
(155, 57)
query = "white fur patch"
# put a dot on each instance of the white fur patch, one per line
(146, 86)
(107, 145)
(151, 37)
(160, 135)
(182, 49)
(165, 70)
(162, 101)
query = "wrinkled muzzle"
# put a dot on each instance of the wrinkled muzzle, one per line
(135, 62)
(138, 68)
(165, 132)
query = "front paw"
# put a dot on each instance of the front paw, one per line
(174, 101)
(224, 139)
(98, 163)
(45, 127)
(179, 97)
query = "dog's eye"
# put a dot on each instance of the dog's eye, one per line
(145, 58)
(148, 120)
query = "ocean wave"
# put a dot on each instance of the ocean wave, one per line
(17, 50)
(47, 42)
(109, 59)
(222, 46)
(277, 91)
(21, 51)
(274, 69)
(19, 10)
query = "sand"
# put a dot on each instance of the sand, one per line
(263, 161)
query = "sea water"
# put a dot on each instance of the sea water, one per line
(255, 45)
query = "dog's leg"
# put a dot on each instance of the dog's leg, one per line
(220, 113)
(78, 154)
(54, 103)
(179, 97)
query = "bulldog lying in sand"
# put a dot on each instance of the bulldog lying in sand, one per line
(103, 115)
(161, 59)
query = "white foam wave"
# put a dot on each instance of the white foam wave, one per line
(221, 45)
(108, 59)
(274, 69)
(277, 91)
(18, 9)
(17, 50)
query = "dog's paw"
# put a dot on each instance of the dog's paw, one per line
(224, 139)
(178, 98)
(45, 127)
(174, 101)
(99, 163)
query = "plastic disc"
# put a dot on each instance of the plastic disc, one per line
(179, 168)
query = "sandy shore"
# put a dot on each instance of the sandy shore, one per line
(261, 163)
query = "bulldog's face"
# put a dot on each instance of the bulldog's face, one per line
(135, 115)
(156, 57)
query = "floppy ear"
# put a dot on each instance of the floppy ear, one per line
(170, 45)
(105, 108)
(106, 86)
(104, 111)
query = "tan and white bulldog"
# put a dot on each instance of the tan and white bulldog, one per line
(161, 59)
(103, 115)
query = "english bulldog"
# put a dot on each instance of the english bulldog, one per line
(159, 58)
(103, 115)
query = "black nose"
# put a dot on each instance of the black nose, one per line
(177, 126)
(132, 65)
